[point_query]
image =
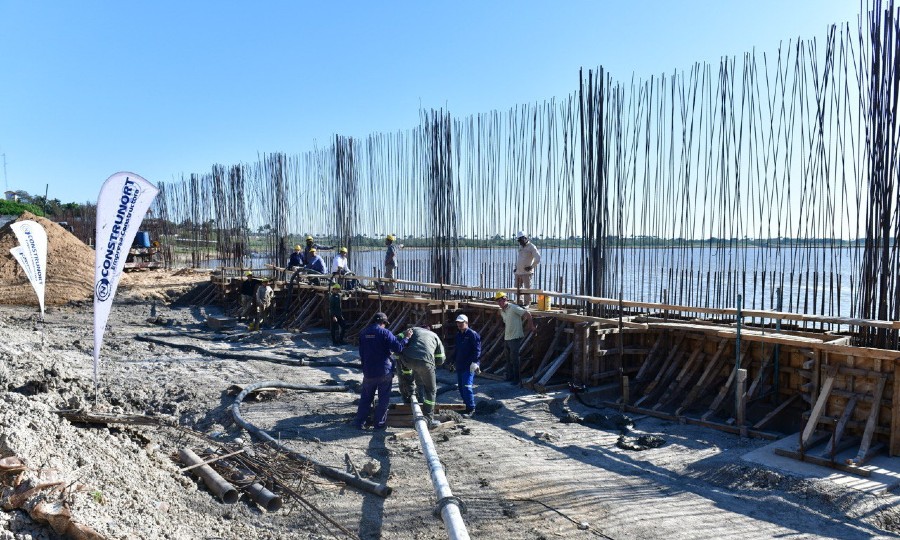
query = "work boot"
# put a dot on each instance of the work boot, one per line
(431, 422)
(468, 412)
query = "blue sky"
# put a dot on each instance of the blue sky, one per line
(165, 88)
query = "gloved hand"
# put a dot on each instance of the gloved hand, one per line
(474, 368)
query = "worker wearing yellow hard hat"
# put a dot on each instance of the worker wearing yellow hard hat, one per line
(390, 263)
(339, 264)
(295, 261)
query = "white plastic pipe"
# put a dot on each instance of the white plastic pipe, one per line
(449, 505)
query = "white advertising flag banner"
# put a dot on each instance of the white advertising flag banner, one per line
(124, 200)
(33, 243)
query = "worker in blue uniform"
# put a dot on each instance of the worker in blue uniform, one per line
(468, 353)
(376, 343)
(314, 262)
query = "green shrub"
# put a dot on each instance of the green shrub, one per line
(13, 208)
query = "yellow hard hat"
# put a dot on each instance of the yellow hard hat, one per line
(336, 286)
(298, 247)
(499, 295)
(390, 237)
(343, 250)
(309, 238)
(249, 273)
(312, 250)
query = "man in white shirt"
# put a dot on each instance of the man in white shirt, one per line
(526, 261)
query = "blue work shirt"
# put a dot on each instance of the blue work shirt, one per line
(376, 344)
(468, 348)
(317, 264)
(296, 259)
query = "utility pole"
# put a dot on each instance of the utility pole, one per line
(5, 179)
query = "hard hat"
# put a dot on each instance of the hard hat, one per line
(336, 286)
(309, 238)
(390, 237)
(380, 317)
(499, 295)
(298, 247)
(343, 250)
(521, 234)
(312, 250)
(462, 318)
(249, 273)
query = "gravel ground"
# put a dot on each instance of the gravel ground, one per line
(520, 471)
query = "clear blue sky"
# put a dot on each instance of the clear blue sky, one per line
(161, 88)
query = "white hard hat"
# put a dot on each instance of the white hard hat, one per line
(462, 318)
(520, 234)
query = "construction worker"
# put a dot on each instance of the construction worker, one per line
(263, 300)
(311, 245)
(513, 317)
(338, 324)
(296, 259)
(468, 353)
(314, 262)
(390, 262)
(526, 261)
(339, 265)
(417, 362)
(376, 344)
(248, 290)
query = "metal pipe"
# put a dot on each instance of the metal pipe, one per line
(218, 485)
(450, 507)
(381, 490)
(264, 497)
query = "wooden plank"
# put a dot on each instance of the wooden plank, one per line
(664, 367)
(838, 433)
(650, 357)
(550, 352)
(775, 412)
(704, 379)
(817, 409)
(822, 461)
(556, 364)
(863, 454)
(675, 387)
(894, 449)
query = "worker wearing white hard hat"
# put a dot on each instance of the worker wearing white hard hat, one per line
(527, 260)
(468, 354)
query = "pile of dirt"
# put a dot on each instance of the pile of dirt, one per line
(70, 267)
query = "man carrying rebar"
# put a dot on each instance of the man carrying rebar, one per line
(468, 353)
(376, 343)
(526, 261)
(390, 262)
(338, 324)
(417, 362)
(514, 334)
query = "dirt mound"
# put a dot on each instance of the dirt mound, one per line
(70, 267)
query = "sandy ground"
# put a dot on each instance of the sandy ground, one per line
(520, 471)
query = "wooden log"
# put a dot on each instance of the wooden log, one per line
(740, 397)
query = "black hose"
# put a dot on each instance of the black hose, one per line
(381, 490)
